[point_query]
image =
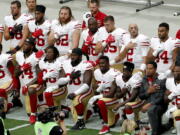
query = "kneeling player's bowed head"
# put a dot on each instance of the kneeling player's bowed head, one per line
(128, 68)
(51, 53)
(76, 56)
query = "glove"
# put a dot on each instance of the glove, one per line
(178, 34)
(85, 49)
(24, 90)
(89, 40)
(13, 51)
(58, 34)
(110, 39)
(25, 66)
(18, 28)
(39, 54)
(15, 29)
(37, 33)
(71, 96)
(164, 75)
(75, 75)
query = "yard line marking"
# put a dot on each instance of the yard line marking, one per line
(18, 127)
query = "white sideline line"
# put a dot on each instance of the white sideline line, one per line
(18, 127)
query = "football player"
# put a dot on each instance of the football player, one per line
(93, 5)
(31, 6)
(78, 79)
(38, 28)
(14, 24)
(163, 49)
(137, 54)
(105, 77)
(26, 70)
(173, 95)
(129, 84)
(89, 37)
(109, 39)
(65, 32)
(8, 83)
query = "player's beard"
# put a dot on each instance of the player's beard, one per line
(75, 62)
(64, 21)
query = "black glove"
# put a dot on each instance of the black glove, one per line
(71, 96)
(18, 28)
(75, 75)
(13, 51)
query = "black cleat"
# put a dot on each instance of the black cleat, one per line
(17, 102)
(79, 125)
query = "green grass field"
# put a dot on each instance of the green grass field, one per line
(29, 130)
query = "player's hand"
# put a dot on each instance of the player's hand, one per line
(39, 54)
(25, 66)
(75, 75)
(110, 39)
(18, 28)
(37, 33)
(71, 96)
(157, 51)
(153, 88)
(146, 107)
(13, 51)
(131, 45)
(24, 89)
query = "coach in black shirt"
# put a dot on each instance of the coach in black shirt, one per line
(152, 91)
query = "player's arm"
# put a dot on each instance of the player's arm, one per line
(1, 34)
(75, 38)
(87, 78)
(51, 38)
(123, 53)
(175, 52)
(26, 33)
(99, 48)
(6, 33)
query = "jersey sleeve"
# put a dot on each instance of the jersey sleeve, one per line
(144, 43)
(135, 80)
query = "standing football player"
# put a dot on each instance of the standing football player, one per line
(65, 32)
(14, 24)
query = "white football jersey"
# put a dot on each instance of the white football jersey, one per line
(1, 28)
(133, 82)
(112, 50)
(173, 87)
(64, 43)
(77, 83)
(164, 60)
(5, 75)
(91, 50)
(29, 75)
(30, 16)
(47, 67)
(41, 42)
(10, 23)
(106, 78)
(136, 54)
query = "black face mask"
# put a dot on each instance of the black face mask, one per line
(75, 62)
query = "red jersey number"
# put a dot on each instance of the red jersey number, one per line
(40, 42)
(163, 56)
(91, 50)
(50, 80)
(17, 36)
(63, 41)
(2, 73)
(76, 82)
(110, 48)
(129, 55)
